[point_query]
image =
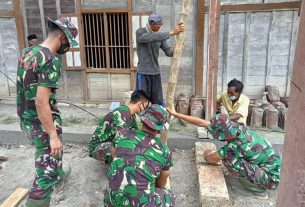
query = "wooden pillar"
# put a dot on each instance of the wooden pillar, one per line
(214, 14)
(173, 76)
(131, 51)
(19, 24)
(292, 184)
(199, 47)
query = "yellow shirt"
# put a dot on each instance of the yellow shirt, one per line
(240, 107)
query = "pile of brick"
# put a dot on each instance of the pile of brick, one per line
(270, 111)
(194, 106)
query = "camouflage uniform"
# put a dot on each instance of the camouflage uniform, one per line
(38, 66)
(249, 156)
(100, 144)
(139, 159)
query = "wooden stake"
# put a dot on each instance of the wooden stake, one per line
(173, 76)
(213, 57)
(15, 198)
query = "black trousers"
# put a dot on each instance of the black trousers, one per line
(152, 85)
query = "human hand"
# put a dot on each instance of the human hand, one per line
(179, 28)
(171, 111)
(56, 145)
(207, 153)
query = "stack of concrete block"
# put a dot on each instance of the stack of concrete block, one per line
(273, 93)
(256, 117)
(270, 111)
(197, 106)
(272, 118)
(183, 105)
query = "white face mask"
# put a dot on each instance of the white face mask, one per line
(232, 98)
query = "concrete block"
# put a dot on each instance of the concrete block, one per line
(212, 186)
(203, 133)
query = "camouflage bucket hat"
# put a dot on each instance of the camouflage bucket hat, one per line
(67, 27)
(155, 117)
(221, 128)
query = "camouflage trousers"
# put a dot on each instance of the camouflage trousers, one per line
(101, 151)
(48, 168)
(160, 198)
(254, 173)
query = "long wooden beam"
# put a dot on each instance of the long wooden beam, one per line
(258, 7)
(291, 189)
(19, 24)
(199, 48)
(214, 15)
(5, 13)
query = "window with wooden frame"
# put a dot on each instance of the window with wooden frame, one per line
(106, 38)
(139, 20)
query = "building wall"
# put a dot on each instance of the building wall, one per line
(255, 47)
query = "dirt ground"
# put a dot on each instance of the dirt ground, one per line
(88, 179)
(88, 176)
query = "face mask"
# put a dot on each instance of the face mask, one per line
(232, 98)
(64, 47)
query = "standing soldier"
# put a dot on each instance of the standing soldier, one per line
(37, 78)
(247, 155)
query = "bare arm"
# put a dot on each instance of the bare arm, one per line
(235, 117)
(45, 116)
(191, 119)
(162, 179)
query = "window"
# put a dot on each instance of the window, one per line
(106, 38)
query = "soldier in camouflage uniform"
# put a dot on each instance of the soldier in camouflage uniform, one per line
(37, 78)
(140, 167)
(247, 155)
(101, 142)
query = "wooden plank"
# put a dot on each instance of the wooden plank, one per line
(112, 70)
(213, 58)
(269, 55)
(130, 63)
(4, 13)
(246, 52)
(258, 7)
(25, 25)
(42, 18)
(291, 189)
(293, 36)
(225, 51)
(19, 25)
(101, 11)
(199, 48)
(15, 198)
(106, 41)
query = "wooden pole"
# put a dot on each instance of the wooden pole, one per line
(214, 12)
(173, 76)
(292, 184)
(199, 47)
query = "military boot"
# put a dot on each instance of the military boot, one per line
(259, 192)
(38, 203)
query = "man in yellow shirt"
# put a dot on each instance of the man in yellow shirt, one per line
(234, 102)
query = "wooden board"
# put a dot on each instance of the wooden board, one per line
(15, 198)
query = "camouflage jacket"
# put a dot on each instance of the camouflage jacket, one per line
(106, 129)
(139, 159)
(254, 148)
(37, 66)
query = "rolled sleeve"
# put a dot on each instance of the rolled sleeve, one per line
(48, 74)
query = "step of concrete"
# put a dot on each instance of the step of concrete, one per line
(212, 185)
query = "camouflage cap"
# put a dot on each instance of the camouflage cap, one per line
(221, 128)
(67, 27)
(154, 116)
